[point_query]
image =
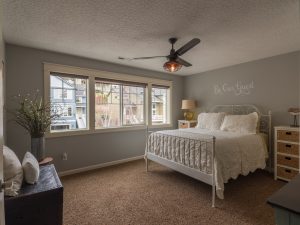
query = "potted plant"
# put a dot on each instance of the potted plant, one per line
(35, 116)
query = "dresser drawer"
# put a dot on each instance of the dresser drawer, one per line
(286, 135)
(286, 173)
(291, 149)
(288, 161)
(193, 125)
(184, 125)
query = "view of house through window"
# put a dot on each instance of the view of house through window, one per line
(68, 97)
(160, 105)
(118, 104)
(107, 104)
(133, 105)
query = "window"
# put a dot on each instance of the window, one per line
(133, 105)
(160, 105)
(68, 96)
(118, 101)
(107, 105)
(118, 104)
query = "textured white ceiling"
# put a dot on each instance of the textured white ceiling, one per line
(231, 31)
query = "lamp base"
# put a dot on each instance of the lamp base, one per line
(188, 115)
(295, 122)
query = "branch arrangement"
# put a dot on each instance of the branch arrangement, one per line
(34, 115)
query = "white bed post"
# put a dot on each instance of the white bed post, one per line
(270, 141)
(146, 159)
(213, 173)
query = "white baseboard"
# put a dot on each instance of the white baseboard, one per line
(98, 166)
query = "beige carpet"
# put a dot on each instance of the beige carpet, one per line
(126, 194)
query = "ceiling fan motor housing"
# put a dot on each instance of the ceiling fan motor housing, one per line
(172, 40)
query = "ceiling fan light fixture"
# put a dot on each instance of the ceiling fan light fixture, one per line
(172, 66)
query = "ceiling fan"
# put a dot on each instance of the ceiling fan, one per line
(174, 62)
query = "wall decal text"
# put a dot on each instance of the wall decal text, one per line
(238, 89)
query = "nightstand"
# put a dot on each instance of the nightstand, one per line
(182, 124)
(286, 155)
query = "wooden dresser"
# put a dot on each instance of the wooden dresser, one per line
(286, 155)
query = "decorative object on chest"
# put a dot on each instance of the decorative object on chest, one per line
(186, 123)
(286, 158)
(46, 161)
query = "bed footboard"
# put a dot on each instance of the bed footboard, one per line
(193, 156)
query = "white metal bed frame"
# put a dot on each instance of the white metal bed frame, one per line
(209, 178)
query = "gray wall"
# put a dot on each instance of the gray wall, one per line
(275, 80)
(25, 74)
(275, 87)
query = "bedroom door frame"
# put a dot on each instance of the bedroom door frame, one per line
(2, 214)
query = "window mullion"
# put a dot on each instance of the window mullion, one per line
(121, 106)
(149, 105)
(90, 109)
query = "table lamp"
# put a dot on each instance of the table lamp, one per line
(188, 105)
(294, 112)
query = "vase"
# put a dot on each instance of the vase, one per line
(38, 148)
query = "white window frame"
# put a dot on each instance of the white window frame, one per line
(47, 91)
(92, 75)
(169, 100)
(121, 116)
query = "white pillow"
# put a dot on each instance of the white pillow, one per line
(31, 168)
(240, 123)
(210, 121)
(13, 172)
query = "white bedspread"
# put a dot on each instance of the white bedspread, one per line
(235, 153)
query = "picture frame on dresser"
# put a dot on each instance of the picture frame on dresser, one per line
(286, 154)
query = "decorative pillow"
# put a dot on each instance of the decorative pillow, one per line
(31, 168)
(210, 121)
(13, 172)
(240, 123)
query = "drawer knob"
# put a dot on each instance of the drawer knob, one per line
(288, 158)
(288, 171)
(288, 133)
(288, 146)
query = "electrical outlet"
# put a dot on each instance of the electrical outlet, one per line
(65, 156)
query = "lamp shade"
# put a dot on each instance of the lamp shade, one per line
(172, 66)
(294, 110)
(188, 104)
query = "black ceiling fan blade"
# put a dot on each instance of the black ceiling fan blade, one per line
(183, 62)
(138, 58)
(192, 43)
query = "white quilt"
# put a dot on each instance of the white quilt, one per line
(235, 153)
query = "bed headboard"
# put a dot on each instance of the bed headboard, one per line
(265, 119)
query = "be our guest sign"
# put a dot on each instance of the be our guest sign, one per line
(239, 88)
